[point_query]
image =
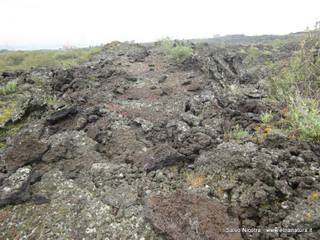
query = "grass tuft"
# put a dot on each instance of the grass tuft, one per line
(6, 112)
(239, 134)
(266, 117)
(10, 87)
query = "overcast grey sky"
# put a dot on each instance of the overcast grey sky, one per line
(54, 23)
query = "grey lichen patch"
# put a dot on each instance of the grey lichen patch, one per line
(14, 189)
(76, 213)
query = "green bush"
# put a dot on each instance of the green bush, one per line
(298, 86)
(303, 117)
(178, 52)
(301, 76)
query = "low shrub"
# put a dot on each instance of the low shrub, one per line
(178, 52)
(298, 87)
(301, 75)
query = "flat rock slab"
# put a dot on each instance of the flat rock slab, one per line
(181, 216)
(61, 115)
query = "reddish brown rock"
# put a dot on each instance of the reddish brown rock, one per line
(182, 216)
(24, 150)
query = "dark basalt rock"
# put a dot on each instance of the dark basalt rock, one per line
(62, 77)
(91, 144)
(61, 115)
(162, 156)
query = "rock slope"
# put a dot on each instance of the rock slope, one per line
(132, 146)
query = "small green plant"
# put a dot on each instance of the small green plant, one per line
(178, 52)
(266, 117)
(239, 134)
(10, 87)
(51, 100)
